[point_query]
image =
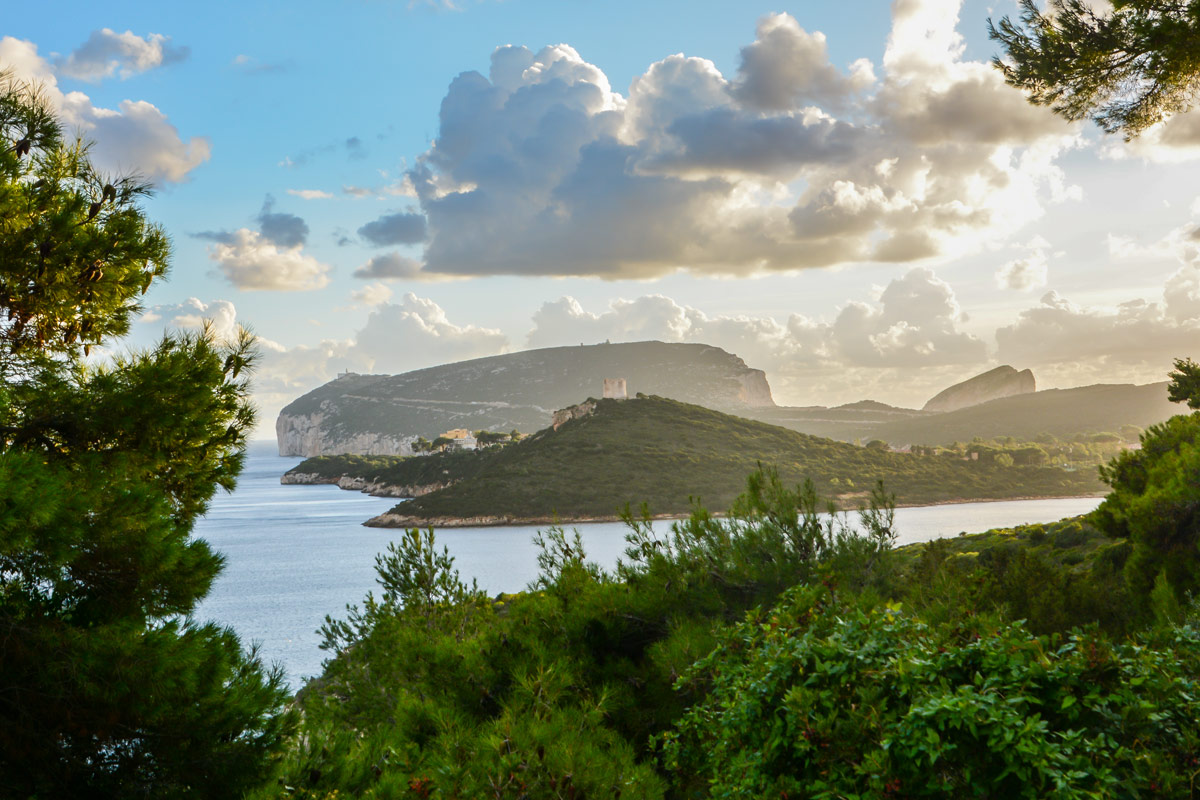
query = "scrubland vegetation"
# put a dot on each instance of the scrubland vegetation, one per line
(665, 453)
(780, 652)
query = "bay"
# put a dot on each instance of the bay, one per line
(294, 554)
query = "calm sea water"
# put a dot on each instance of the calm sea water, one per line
(296, 553)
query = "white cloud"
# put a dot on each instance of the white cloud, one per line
(1135, 340)
(911, 335)
(788, 67)
(136, 136)
(107, 53)
(309, 194)
(1027, 272)
(251, 261)
(193, 313)
(371, 295)
(397, 337)
(541, 168)
(417, 333)
(412, 333)
(1175, 140)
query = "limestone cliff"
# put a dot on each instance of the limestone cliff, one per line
(384, 414)
(991, 385)
(306, 435)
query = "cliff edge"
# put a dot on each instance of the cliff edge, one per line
(994, 384)
(384, 414)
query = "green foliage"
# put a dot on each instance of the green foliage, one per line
(436, 468)
(1153, 505)
(76, 250)
(1185, 383)
(110, 690)
(1055, 577)
(555, 692)
(823, 698)
(1126, 68)
(662, 452)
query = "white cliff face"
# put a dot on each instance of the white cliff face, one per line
(303, 435)
(755, 390)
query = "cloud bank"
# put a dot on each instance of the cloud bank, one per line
(541, 168)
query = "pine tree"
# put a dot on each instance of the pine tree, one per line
(107, 687)
(1126, 66)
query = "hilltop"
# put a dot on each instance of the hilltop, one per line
(1003, 381)
(384, 414)
(664, 453)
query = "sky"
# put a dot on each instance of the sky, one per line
(846, 195)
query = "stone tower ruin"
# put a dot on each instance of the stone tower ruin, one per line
(614, 388)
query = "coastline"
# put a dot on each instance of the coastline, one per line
(390, 520)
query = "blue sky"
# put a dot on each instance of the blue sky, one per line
(855, 229)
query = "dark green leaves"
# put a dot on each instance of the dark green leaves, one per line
(1126, 68)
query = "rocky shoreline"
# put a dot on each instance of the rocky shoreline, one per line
(356, 484)
(392, 520)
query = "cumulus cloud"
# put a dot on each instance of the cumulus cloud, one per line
(1181, 293)
(390, 229)
(107, 53)
(371, 295)
(1136, 339)
(390, 267)
(193, 314)
(283, 229)
(416, 332)
(914, 326)
(540, 167)
(397, 337)
(252, 261)
(1027, 272)
(788, 67)
(136, 136)
(271, 258)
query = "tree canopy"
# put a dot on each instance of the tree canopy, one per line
(1126, 68)
(109, 688)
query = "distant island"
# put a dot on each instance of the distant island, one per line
(607, 453)
(385, 414)
(390, 414)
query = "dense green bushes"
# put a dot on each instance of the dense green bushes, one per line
(821, 697)
(776, 650)
(782, 652)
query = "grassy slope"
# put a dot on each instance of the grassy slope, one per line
(663, 452)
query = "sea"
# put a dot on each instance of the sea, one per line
(296, 554)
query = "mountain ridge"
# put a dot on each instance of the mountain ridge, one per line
(384, 414)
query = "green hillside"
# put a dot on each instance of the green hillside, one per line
(1063, 413)
(450, 466)
(664, 452)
